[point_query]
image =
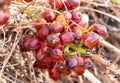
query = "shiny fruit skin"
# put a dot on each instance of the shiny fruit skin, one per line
(45, 49)
(44, 63)
(67, 16)
(90, 39)
(4, 16)
(26, 42)
(71, 62)
(76, 16)
(67, 37)
(83, 22)
(77, 32)
(79, 70)
(66, 71)
(34, 44)
(72, 4)
(54, 74)
(53, 40)
(58, 4)
(59, 47)
(49, 15)
(43, 33)
(41, 23)
(87, 63)
(56, 27)
(57, 55)
(100, 29)
(39, 55)
(74, 61)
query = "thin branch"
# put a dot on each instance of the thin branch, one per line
(91, 77)
(110, 46)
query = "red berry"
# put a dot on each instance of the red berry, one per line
(39, 55)
(30, 43)
(4, 16)
(57, 3)
(71, 62)
(57, 55)
(54, 74)
(100, 29)
(34, 44)
(72, 4)
(90, 39)
(79, 70)
(59, 47)
(40, 23)
(67, 16)
(88, 63)
(83, 22)
(26, 42)
(77, 32)
(43, 33)
(56, 27)
(76, 16)
(45, 48)
(53, 40)
(44, 63)
(67, 37)
(49, 15)
(66, 71)
(74, 61)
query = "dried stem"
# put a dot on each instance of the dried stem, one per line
(109, 46)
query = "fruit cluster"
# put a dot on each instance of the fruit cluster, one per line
(63, 40)
(4, 11)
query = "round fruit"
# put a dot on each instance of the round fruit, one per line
(79, 70)
(34, 44)
(76, 16)
(67, 16)
(40, 23)
(77, 32)
(57, 55)
(83, 22)
(43, 33)
(45, 49)
(48, 15)
(53, 40)
(56, 27)
(71, 62)
(4, 16)
(67, 37)
(100, 29)
(72, 4)
(30, 43)
(26, 42)
(88, 63)
(54, 74)
(90, 39)
(57, 3)
(39, 55)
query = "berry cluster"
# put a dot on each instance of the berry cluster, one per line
(4, 11)
(63, 39)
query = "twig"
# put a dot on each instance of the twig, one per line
(110, 46)
(107, 65)
(91, 77)
(101, 12)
